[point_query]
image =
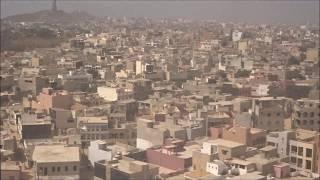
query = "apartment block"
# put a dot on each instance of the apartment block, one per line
(57, 161)
(306, 114)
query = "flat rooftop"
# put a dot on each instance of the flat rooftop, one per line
(55, 153)
(33, 119)
(93, 119)
(225, 143)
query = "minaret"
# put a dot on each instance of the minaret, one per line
(54, 5)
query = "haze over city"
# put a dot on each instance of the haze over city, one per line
(160, 90)
(250, 11)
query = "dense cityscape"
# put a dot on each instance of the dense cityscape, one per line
(87, 98)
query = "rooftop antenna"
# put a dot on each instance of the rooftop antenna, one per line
(54, 5)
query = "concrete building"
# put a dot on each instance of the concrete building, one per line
(174, 156)
(35, 126)
(130, 169)
(141, 88)
(217, 168)
(281, 170)
(76, 81)
(37, 61)
(201, 157)
(57, 161)
(50, 98)
(313, 54)
(33, 84)
(101, 150)
(265, 159)
(6, 82)
(114, 93)
(303, 151)
(242, 166)
(281, 140)
(63, 118)
(148, 136)
(269, 113)
(11, 170)
(100, 128)
(228, 149)
(306, 114)
(253, 137)
(98, 151)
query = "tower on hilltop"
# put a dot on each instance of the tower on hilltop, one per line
(54, 5)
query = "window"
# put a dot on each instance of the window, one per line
(58, 169)
(312, 114)
(278, 114)
(309, 152)
(310, 104)
(66, 168)
(299, 163)
(133, 135)
(224, 152)
(298, 122)
(305, 114)
(104, 128)
(269, 114)
(53, 169)
(298, 114)
(293, 160)
(308, 164)
(300, 151)
(241, 166)
(304, 122)
(311, 122)
(294, 149)
(11, 177)
(74, 168)
(121, 135)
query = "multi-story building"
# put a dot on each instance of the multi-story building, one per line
(253, 137)
(100, 128)
(33, 84)
(76, 80)
(128, 169)
(306, 114)
(56, 162)
(269, 113)
(49, 98)
(303, 152)
(114, 93)
(11, 170)
(281, 140)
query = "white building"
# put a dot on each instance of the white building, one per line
(217, 168)
(114, 93)
(98, 151)
(209, 148)
(236, 36)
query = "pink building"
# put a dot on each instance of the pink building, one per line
(11, 170)
(172, 156)
(249, 136)
(49, 98)
(281, 170)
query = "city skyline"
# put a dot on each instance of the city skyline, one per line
(252, 12)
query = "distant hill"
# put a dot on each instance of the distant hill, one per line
(52, 17)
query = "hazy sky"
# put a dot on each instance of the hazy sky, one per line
(251, 11)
